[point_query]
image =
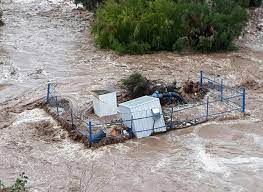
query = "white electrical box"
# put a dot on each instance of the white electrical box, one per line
(104, 102)
(143, 115)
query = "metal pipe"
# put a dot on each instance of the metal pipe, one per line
(169, 95)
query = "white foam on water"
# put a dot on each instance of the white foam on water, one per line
(39, 2)
(208, 162)
(73, 150)
(45, 5)
(243, 160)
(31, 116)
(251, 163)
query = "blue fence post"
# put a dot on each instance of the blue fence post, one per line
(90, 132)
(244, 100)
(222, 90)
(172, 112)
(48, 91)
(201, 79)
(207, 108)
(57, 105)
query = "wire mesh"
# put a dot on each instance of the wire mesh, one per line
(219, 100)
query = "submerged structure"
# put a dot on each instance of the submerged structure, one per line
(143, 116)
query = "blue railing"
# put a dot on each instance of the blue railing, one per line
(205, 110)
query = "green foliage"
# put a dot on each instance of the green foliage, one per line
(136, 84)
(18, 186)
(180, 44)
(20, 183)
(141, 26)
(2, 186)
(92, 5)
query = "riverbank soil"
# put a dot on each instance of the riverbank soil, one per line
(45, 41)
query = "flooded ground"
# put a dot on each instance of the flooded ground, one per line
(50, 41)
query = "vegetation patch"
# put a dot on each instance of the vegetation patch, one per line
(18, 186)
(143, 26)
(136, 84)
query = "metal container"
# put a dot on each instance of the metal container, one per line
(104, 102)
(143, 115)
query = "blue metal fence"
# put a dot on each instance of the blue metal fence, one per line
(220, 100)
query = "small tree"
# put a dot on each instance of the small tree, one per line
(136, 84)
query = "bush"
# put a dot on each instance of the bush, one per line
(18, 186)
(141, 26)
(136, 84)
(180, 44)
(92, 5)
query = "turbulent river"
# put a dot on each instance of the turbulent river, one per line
(50, 41)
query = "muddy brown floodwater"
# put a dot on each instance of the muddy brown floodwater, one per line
(50, 41)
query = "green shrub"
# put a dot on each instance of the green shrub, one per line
(136, 85)
(141, 26)
(92, 5)
(180, 44)
(18, 186)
